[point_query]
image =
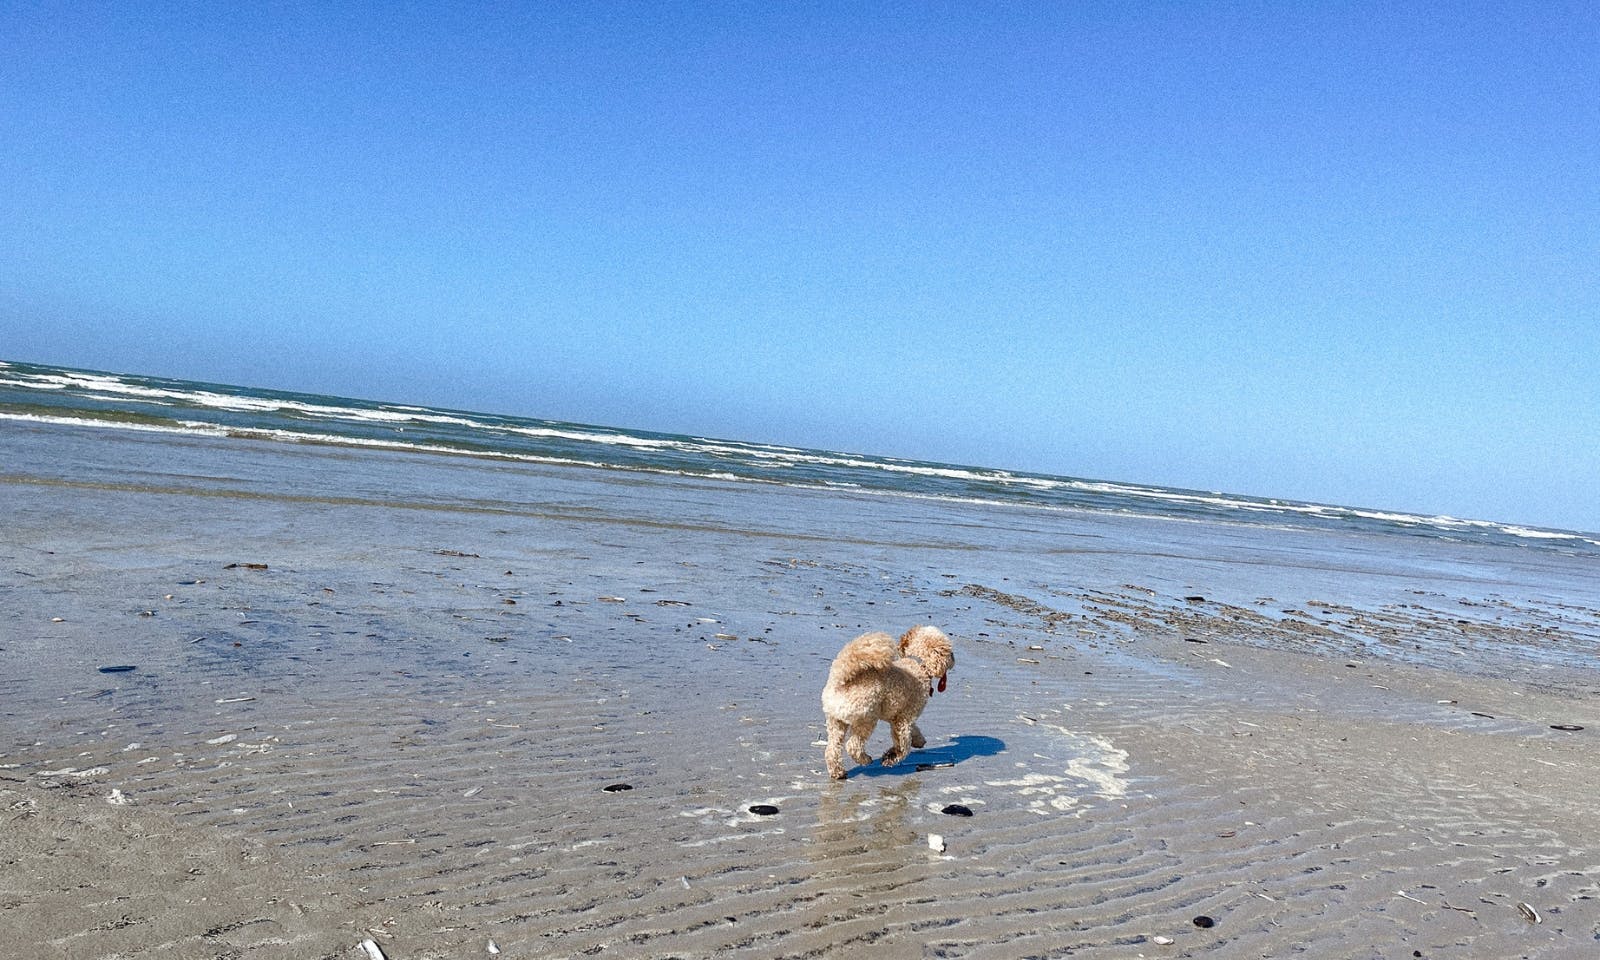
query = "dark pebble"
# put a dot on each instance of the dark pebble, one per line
(957, 810)
(1204, 922)
(617, 787)
(1565, 726)
(1195, 599)
(764, 810)
(1486, 716)
(122, 668)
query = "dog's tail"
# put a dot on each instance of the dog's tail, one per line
(868, 653)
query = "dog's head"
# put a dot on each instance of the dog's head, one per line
(932, 648)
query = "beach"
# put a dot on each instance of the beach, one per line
(273, 699)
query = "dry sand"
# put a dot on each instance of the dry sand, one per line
(401, 729)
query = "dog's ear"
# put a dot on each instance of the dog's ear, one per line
(942, 678)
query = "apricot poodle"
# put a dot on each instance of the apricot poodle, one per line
(873, 678)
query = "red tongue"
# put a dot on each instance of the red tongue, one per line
(941, 682)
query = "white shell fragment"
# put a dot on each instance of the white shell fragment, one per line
(374, 952)
(1530, 914)
(1164, 941)
(118, 799)
(936, 843)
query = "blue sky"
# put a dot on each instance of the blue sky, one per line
(1337, 252)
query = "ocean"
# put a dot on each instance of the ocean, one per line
(36, 392)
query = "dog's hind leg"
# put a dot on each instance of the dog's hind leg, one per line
(902, 742)
(834, 755)
(918, 741)
(857, 743)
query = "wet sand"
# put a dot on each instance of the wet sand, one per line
(380, 697)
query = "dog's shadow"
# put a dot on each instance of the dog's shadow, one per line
(959, 748)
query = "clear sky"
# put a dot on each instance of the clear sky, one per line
(1345, 252)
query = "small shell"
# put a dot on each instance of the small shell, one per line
(936, 843)
(1529, 914)
(1163, 941)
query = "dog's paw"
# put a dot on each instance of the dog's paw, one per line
(836, 774)
(891, 758)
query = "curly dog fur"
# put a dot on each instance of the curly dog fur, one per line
(874, 678)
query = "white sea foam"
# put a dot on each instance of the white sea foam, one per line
(1324, 511)
(1533, 534)
(192, 429)
(32, 383)
(1098, 767)
(111, 387)
(198, 428)
(609, 439)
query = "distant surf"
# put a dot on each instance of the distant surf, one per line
(130, 402)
